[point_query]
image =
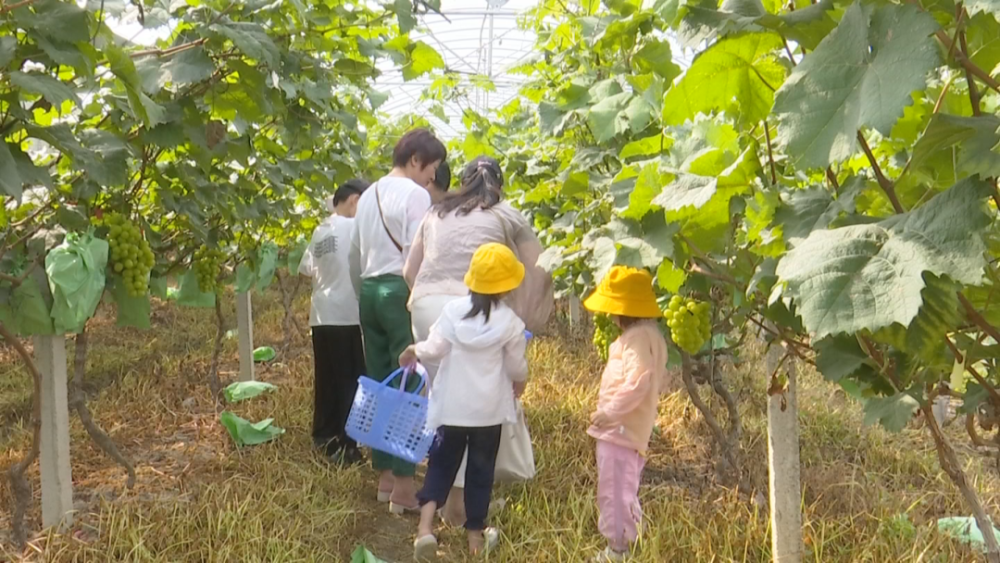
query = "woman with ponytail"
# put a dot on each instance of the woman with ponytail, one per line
(441, 253)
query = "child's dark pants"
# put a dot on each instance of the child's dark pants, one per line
(444, 461)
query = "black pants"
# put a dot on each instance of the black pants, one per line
(444, 461)
(339, 356)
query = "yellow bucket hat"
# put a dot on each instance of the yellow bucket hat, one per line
(494, 269)
(627, 292)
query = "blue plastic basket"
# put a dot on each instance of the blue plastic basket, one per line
(391, 420)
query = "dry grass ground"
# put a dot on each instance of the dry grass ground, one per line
(867, 496)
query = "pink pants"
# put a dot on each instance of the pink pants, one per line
(619, 470)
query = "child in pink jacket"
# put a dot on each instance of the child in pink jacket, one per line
(627, 403)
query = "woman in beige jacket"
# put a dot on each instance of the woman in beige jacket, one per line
(442, 250)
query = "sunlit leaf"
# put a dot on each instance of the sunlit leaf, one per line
(866, 69)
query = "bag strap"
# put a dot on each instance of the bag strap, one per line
(378, 199)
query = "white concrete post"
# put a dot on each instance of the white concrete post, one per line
(575, 311)
(244, 326)
(783, 464)
(57, 479)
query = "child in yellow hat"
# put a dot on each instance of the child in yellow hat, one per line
(627, 403)
(479, 344)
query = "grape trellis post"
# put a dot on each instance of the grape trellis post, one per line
(54, 453)
(244, 328)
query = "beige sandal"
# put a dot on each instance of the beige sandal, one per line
(425, 549)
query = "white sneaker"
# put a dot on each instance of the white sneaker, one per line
(610, 556)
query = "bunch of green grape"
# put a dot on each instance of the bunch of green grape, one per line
(207, 264)
(131, 256)
(690, 323)
(605, 332)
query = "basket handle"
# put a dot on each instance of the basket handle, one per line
(405, 373)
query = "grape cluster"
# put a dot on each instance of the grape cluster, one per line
(131, 257)
(207, 263)
(690, 323)
(605, 332)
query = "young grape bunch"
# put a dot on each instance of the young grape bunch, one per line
(131, 257)
(690, 323)
(605, 332)
(207, 264)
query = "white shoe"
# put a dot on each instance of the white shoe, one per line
(492, 537)
(383, 496)
(425, 549)
(610, 556)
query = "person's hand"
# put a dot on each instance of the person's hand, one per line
(599, 419)
(519, 387)
(408, 358)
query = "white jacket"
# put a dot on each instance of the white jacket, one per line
(480, 361)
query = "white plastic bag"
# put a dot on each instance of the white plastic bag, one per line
(515, 458)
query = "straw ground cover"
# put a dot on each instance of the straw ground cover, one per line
(866, 497)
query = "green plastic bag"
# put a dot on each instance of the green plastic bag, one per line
(264, 354)
(190, 295)
(362, 555)
(30, 310)
(76, 278)
(965, 529)
(246, 433)
(132, 311)
(295, 254)
(242, 390)
(268, 263)
(245, 278)
(158, 288)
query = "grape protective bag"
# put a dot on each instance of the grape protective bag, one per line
(75, 270)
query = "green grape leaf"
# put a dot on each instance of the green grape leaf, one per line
(655, 56)
(55, 91)
(870, 276)
(649, 183)
(10, 181)
(866, 69)
(603, 257)
(806, 26)
(687, 190)
(893, 413)
(649, 146)
(974, 137)
(670, 278)
(8, 46)
(143, 107)
(377, 98)
(188, 67)
(811, 209)
(404, 15)
(252, 40)
(737, 74)
(939, 315)
(57, 20)
(575, 183)
(988, 6)
(841, 356)
(423, 59)
(606, 118)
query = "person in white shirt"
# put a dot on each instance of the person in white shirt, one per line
(479, 342)
(338, 351)
(389, 213)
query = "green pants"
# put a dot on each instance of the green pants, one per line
(385, 323)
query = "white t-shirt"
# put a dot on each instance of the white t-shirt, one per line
(326, 262)
(404, 204)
